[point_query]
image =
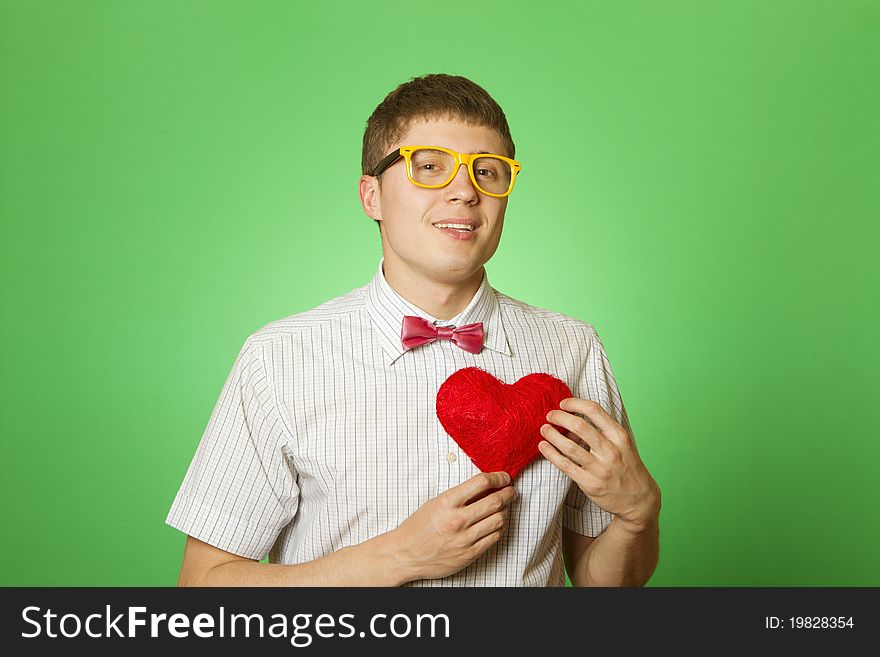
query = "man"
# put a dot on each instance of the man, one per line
(325, 451)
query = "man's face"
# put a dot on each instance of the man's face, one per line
(409, 214)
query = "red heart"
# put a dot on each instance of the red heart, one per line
(498, 425)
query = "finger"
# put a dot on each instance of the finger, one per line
(565, 465)
(571, 435)
(485, 543)
(570, 448)
(461, 494)
(610, 428)
(490, 504)
(582, 428)
(494, 523)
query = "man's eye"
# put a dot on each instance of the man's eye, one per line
(485, 173)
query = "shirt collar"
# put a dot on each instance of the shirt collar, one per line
(387, 308)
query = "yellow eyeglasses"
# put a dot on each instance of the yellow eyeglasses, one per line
(433, 167)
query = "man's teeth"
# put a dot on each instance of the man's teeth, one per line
(458, 226)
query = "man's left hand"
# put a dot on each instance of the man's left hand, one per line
(599, 455)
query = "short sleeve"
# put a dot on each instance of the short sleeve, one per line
(240, 490)
(596, 382)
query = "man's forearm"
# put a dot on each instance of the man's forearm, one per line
(368, 564)
(622, 555)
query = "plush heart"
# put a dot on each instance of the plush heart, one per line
(498, 425)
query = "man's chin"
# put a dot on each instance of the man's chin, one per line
(454, 270)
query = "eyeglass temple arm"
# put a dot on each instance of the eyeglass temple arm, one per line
(386, 162)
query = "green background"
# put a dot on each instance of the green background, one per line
(700, 182)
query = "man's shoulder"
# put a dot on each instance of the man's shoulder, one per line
(517, 309)
(338, 309)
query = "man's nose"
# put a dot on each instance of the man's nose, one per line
(461, 187)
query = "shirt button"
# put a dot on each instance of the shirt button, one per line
(451, 457)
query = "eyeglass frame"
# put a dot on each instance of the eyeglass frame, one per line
(460, 158)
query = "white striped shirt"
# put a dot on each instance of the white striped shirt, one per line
(326, 434)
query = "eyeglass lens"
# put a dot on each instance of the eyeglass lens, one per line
(431, 167)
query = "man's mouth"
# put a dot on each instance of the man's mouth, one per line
(461, 228)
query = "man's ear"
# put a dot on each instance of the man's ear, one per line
(371, 197)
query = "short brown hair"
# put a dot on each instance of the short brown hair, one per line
(430, 96)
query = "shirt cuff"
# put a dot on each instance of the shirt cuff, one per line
(587, 522)
(215, 527)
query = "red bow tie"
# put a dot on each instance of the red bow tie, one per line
(418, 331)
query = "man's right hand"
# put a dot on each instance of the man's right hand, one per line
(451, 530)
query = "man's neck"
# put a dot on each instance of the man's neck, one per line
(438, 299)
